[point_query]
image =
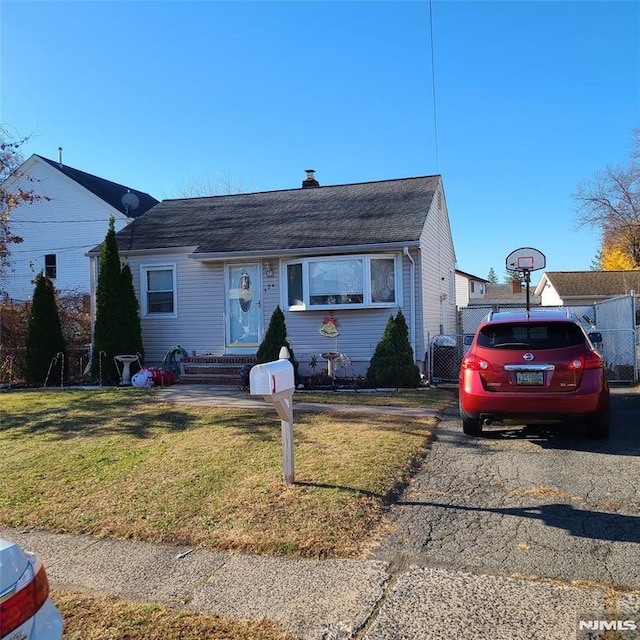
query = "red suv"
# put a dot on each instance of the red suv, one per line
(536, 366)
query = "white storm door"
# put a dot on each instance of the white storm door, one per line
(244, 313)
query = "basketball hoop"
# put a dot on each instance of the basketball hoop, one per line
(524, 261)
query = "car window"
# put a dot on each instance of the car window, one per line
(531, 336)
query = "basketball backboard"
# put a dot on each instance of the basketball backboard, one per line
(526, 259)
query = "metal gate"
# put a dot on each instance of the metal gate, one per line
(615, 319)
(444, 356)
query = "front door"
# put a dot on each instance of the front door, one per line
(244, 326)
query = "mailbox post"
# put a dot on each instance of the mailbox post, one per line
(275, 382)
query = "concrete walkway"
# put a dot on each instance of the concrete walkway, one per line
(320, 599)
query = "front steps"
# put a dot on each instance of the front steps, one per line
(216, 370)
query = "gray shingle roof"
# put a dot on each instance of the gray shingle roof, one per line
(594, 283)
(110, 192)
(504, 294)
(332, 216)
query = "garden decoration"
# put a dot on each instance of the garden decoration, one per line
(329, 328)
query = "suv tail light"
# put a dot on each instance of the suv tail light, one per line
(471, 362)
(24, 603)
(591, 360)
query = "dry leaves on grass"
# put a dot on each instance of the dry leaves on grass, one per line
(88, 617)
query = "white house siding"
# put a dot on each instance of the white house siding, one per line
(359, 333)
(68, 224)
(549, 297)
(437, 265)
(199, 325)
(462, 291)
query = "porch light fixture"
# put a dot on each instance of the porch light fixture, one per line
(268, 271)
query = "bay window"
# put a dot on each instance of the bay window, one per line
(363, 281)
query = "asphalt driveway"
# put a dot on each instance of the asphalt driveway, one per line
(541, 503)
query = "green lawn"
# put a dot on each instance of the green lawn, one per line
(117, 462)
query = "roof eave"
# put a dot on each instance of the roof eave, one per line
(147, 252)
(305, 251)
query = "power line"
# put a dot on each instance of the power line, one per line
(433, 86)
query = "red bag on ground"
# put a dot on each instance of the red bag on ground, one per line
(161, 378)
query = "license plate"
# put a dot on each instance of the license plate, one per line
(529, 377)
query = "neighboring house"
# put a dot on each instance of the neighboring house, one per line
(71, 217)
(469, 288)
(585, 287)
(338, 260)
(514, 293)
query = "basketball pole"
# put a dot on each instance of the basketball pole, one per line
(527, 280)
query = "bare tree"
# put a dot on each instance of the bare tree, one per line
(203, 186)
(610, 202)
(10, 160)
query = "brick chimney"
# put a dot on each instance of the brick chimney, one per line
(310, 181)
(517, 285)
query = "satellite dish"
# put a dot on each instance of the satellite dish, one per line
(130, 201)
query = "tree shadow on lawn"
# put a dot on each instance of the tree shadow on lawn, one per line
(140, 417)
(95, 417)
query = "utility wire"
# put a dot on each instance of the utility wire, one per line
(433, 87)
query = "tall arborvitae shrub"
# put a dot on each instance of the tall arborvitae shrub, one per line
(392, 364)
(274, 340)
(44, 340)
(117, 325)
(131, 331)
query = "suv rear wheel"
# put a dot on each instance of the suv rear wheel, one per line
(470, 426)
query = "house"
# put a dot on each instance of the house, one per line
(58, 229)
(468, 288)
(585, 287)
(512, 294)
(338, 260)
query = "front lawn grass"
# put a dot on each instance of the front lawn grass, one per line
(90, 617)
(119, 463)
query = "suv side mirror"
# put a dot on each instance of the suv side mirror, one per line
(468, 340)
(595, 336)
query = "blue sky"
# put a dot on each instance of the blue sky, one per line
(531, 98)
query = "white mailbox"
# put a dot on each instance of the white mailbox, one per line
(271, 378)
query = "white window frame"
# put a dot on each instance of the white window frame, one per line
(367, 302)
(144, 301)
(49, 267)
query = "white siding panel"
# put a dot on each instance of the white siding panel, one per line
(549, 297)
(69, 223)
(462, 291)
(437, 267)
(199, 325)
(359, 334)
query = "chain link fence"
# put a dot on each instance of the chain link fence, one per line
(615, 319)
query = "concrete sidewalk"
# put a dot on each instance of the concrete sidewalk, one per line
(322, 599)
